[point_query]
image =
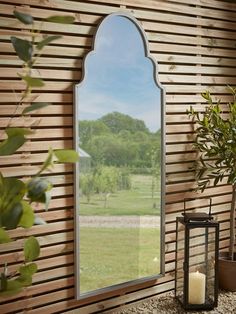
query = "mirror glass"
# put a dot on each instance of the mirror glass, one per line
(119, 195)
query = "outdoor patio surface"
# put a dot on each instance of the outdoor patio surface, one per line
(166, 304)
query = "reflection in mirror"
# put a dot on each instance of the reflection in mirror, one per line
(119, 183)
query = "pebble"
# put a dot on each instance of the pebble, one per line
(167, 304)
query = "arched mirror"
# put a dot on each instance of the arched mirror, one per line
(119, 188)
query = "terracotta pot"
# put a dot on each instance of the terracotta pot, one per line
(227, 272)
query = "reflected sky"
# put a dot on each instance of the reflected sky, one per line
(118, 77)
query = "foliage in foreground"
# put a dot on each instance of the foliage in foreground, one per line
(16, 195)
(216, 143)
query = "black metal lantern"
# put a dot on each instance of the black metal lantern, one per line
(197, 247)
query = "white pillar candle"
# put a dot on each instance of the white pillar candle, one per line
(196, 288)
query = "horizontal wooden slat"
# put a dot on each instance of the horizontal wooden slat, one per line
(193, 42)
(154, 47)
(62, 75)
(55, 62)
(169, 7)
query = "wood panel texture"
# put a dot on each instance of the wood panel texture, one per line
(194, 43)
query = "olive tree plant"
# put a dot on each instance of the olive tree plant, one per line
(17, 196)
(216, 143)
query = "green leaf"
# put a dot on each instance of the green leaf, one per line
(31, 249)
(33, 81)
(47, 199)
(12, 191)
(66, 19)
(231, 89)
(16, 138)
(216, 180)
(66, 155)
(17, 131)
(23, 48)
(44, 198)
(35, 106)
(11, 145)
(37, 188)
(28, 269)
(39, 221)
(12, 287)
(4, 237)
(26, 273)
(27, 218)
(47, 40)
(24, 280)
(24, 18)
(205, 95)
(11, 217)
(48, 162)
(3, 282)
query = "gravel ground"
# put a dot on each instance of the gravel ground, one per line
(120, 221)
(166, 304)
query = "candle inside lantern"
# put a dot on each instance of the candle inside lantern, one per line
(197, 287)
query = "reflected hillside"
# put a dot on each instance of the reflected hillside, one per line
(119, 140)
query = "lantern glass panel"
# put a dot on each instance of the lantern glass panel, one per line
(201, 278)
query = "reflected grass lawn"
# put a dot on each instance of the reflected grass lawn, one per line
(137, 201)
(110, 256)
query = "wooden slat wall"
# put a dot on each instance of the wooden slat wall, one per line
(194, 43)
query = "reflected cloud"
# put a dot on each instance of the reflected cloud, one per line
(119, 77)
(97, 105)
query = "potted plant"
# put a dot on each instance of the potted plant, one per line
(216, 143)
(17, 196)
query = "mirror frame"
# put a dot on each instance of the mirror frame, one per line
(114, 287)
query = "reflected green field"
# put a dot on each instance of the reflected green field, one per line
(110, 256)
(138, 201)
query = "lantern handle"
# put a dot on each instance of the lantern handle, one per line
(192, 199)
